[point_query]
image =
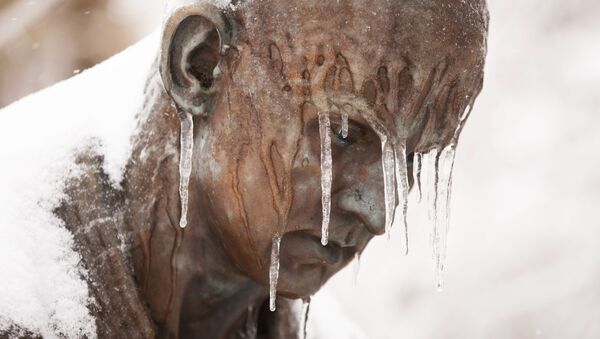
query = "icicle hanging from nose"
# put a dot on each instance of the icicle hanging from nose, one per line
(185, 162)
(326, 173)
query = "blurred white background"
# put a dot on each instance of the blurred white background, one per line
(524, 245)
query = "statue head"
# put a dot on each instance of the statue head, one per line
(256, 78)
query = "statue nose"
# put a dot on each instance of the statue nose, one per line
(366, 204)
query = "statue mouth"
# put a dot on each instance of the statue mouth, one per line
(304, 248)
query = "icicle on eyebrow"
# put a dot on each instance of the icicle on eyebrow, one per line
(274, 272)
(443, 168)
(388, 163)
(417, 163)
(402, 182)
(185, 162)
(326, 173)
(304, 320)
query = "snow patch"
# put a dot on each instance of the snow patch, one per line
(42, 288)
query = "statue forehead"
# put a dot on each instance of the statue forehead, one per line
(423, 31)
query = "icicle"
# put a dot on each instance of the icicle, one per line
(389, 184)
(344, 124)
(326, 173)
(274, 271)
(428, 164)
(304, 320)
(250, 330)
(185, 162)
(417, 174)
(388, 164)
(356, 268)
(444, 166)
(403, 187)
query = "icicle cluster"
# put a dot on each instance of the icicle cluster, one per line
(274, 271)
(185, 162)
(326, 173)
(432, 174)
(394, 171)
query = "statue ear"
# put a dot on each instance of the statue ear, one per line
(192, 47)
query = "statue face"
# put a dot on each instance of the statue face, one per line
(412, 68)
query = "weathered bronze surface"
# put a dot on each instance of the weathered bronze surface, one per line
(417, 66)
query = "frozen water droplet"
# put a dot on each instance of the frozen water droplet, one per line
(304, 320)
(389, 183)
(274, 272)
(185, 162)
(417, 162)
(356, 267)
(403, 186)
(326, 173)
(344, 124)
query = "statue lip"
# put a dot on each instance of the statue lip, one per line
(306, 248)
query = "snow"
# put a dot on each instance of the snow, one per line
(42, 287)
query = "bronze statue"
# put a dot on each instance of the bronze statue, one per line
(243, 87)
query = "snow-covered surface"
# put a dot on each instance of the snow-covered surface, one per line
(41, 285)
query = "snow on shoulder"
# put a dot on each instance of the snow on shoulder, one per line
(42, 288)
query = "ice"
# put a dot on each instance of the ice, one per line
(185, 162)
(438, 168)
(274, 272)
(326, 173)
(389, 183)
(417, 162)
(356, 268)
(344, 124)
(403, 187)
(304, 320)
(429, 165)
(444, 167)
(250, 331)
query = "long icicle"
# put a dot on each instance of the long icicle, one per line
(445, 165)
(274, 271)
(417, 164)
(304, 320)
(326, 173)
(389, 183)
(403, 187)
(388, 164)
(185, 162)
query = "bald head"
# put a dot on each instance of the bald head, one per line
(417, 64)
